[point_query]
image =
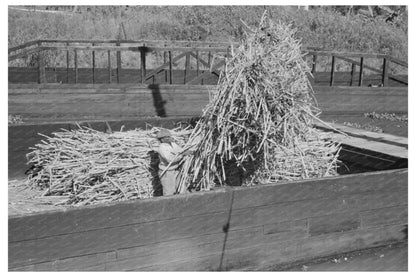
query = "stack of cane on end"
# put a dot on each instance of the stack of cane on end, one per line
(260, 119)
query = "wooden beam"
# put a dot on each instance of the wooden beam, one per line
(170, 67)
(130, 48)
(141, 42)
(314, 58)
(23, 54)
(93, 66)
(187, 68)
(360, 80)
(331, 83)
(109, 66)
(143, 65)
(352, 73)
(24, 45)
(41, 68)
(385, 74)
(399, 62)
(343, 54)
(197, 62)
(76, 65)
(207, 73)
(165, 61)
(373, 69)
(118, 63)
(160, 68)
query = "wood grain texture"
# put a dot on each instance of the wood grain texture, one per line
(71, 102)
(163, 232)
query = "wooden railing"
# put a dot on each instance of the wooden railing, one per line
(208, 58)
(386, 60)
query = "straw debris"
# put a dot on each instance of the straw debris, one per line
(89, 166)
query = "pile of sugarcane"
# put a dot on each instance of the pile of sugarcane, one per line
(261, 115)
(90, 166)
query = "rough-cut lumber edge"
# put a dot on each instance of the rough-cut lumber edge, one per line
(378, 142)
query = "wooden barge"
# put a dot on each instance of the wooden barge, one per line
(244, 228)
(232, 228)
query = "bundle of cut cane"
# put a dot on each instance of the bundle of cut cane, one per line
(90, 167)
(262, 115)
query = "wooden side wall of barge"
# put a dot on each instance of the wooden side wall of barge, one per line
(254, 228)
(63, 102)
(23, 137)
(18, 75)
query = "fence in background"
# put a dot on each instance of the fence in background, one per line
(175, 62)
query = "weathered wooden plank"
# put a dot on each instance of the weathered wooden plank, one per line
(204, 75)
(97, 217)
(352, 73)
(141, 42)
(24, 45)
(397, 61)
(89, 242)
(286, 227)
(91, 262)
(173, 250)
(109, 66)
(179, 227)
(268, 255)
(382, 72)
(399, 91)
(118, 57)
(41, 68)
(331, 82)
(385, 216)
(364, 183)
(130, 48)
(24, 54)
(187, 64)
(247, 217)
(93, 65)
(334, 223)
(76, 65)
(160, 68)
(346, 54)
(385, 74)
(360, 80)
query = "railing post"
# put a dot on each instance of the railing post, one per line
(143, 63)
(352, 74)
(385, 74)
(67, 64)
(360, 80)
(187, 58)
(109, 67)
(197, 63)
(314, 63)
(170, 67)
(41, 66)
(165, 59)
(76, 65)
(118, 63)
(209, 57)
(331, 83)
(93, 65)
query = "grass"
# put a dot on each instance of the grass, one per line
(318, 27)
(387, 116)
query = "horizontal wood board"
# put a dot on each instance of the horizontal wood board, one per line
(129, 75)
(46, 103)
(272, 224)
